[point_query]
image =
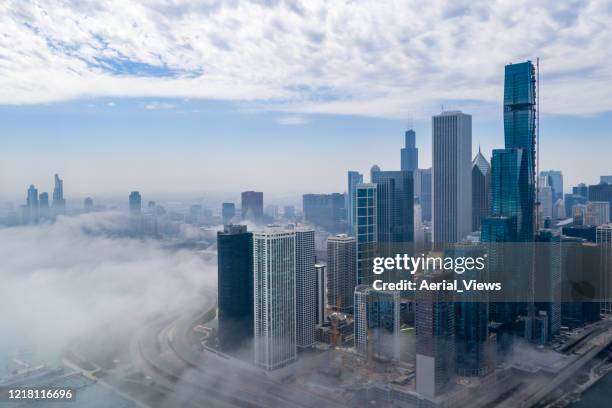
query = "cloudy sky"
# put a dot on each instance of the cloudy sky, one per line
(283, 96)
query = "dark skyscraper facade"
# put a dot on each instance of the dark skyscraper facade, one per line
(425, 197)
(410, 153)
(228, 211)
(481, 195)
(520, 136)
(235, 286)
(395, 209)
(135, 203)
(325, 211)
(59, 204)
(252, 205)
(601, 192)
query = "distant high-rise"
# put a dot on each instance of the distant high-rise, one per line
(547, 279)
(228, 212)
(452, 178)
(545, 197)
(605, 179)
(305, 287)
(289, 212)
(604, 240)
(88, 204)
(366, 226)
(341, 272)
(481, 194)
(377, 322)
(252, 205)
(570, 201)
(324, 210)
(410, 153)
(425, 196)
(59, 204)
(354, 178)
(581, 190)
(43, 204)
(235, 287)
(555, 181)
(601, 192)
(274, 297)
(31, 208)
(435, 342)
(135, 203)
(597, 213)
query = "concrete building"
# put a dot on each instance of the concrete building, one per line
(306, 287)
(452, 178)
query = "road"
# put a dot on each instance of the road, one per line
(205, 379)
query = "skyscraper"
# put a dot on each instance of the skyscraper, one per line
(601, 192)
(274, 297)
(395, 211)
(520, 134)
(228, 211)
(605, 179)
(88, 204)
(425, 195)
(581, 190)
(435, 331)
(305, 287)
(452, 179)
(471, 317)
(59, 204)
(597, 213)
(377, 322)
(341, 272)
(31, 208)
(235, 287)
(604, 240)
(321, 271)
(366, 226)
(354, 178)
(481, 185)
(545, 197)
(410, 153)
(324, 210)
(547, 279)
(252, 205)
(135, 203)
(555, 181)
(43, 204)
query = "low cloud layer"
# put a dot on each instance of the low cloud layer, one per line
(368, 58)
(63, 280)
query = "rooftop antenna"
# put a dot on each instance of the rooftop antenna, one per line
(410, 121)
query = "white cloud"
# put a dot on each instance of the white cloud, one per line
(369, 58)
(159, 105)
(292, 120)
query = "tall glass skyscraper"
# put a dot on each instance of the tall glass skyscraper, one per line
(235, 286)
(410, 153)
(354, 178)
(366, 228)
(58, 195)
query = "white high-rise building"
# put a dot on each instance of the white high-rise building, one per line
(597, 213)
(306, 287)
(274, 275)
(604, 240)
(452, 176)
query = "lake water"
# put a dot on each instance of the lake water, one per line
(599, 395)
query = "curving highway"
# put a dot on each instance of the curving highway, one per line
(193, 378)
